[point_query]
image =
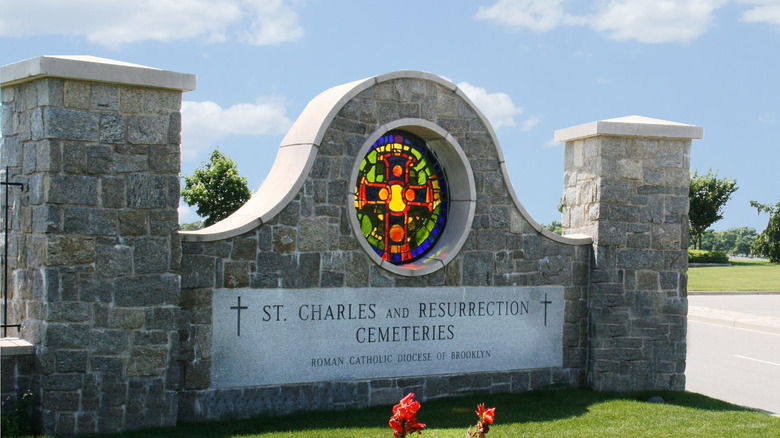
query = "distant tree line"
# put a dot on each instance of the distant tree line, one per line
(734, 241)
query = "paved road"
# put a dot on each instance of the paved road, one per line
(761, 305)
(734, 349)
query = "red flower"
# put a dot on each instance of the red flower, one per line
(404, 418)
(396, 425)
(486, 414)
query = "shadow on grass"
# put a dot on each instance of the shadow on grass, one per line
(531, 407)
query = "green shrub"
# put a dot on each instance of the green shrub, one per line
(697, 256)
(15, 418)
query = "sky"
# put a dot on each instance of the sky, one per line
(531, 66)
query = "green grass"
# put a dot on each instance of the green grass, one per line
(740, 276)
(551, 413)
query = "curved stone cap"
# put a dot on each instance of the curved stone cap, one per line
(299, 149)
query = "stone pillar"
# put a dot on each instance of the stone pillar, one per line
(94, 251)
(626, 184)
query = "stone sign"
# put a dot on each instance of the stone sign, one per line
(280, 336)
(386, 252)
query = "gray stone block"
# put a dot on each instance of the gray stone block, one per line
(49, 158)
(131, 163)
(104, 97)
(147, 361)
(30, 157)
(36, 124)
(640, 259)
(86, 423)
(163, 222)
(71, 189)
(62, 250)
(69, 361)
(133, 222)
(11, 156)
(611, 233)
(112, 128)
(113, 260)
(165, 159)
(109, 342)
(61, 401)
(76, 94)
(67, 336)
(69, 312)
(174, 128)
(317, 234)
(151, 255)
(307, 273)
(478, 268)
(147, 129)
(46, 219)
(198, 271)
(219, 249)
(244, 249)
(236, 274)
(71, 124)
(89, 221)
(147, 290)
(146, 191)
(615, 191)
(74, 157)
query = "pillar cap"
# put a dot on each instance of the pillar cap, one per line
(91, 68)
(631, 126)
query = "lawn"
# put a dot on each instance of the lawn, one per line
(742, 275)
(546, 413)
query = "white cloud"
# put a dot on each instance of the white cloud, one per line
(497, 107)
(273, 22)
(647, 21)
(204, 124)
(764, 11)
(187, 214)
(112, 23)
(530, 123)
(655, 21)
(538, 15)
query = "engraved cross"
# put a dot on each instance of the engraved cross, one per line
(545, 302)
(238, 308)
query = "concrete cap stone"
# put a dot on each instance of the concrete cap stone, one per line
(631, 126)
(15, 347)
(91, 68)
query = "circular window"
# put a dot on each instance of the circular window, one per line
(401, 198)
(414, 197)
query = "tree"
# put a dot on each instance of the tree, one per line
(555, 227)
(192, 226)
(768, 242)
(216, 189)
(708, 196)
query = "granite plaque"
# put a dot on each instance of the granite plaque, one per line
(281, 336)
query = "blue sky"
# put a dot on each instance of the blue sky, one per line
(532, 66)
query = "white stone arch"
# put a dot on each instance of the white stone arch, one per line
(298, 150)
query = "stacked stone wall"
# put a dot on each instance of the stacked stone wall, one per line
(93, 248)
(631, 195)
(119, 309)
(311, 244)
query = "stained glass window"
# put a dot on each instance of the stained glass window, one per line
(401, 197)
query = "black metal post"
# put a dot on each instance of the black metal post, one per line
(6, 183)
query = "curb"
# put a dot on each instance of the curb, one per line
(735, 292)
(735, 324)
